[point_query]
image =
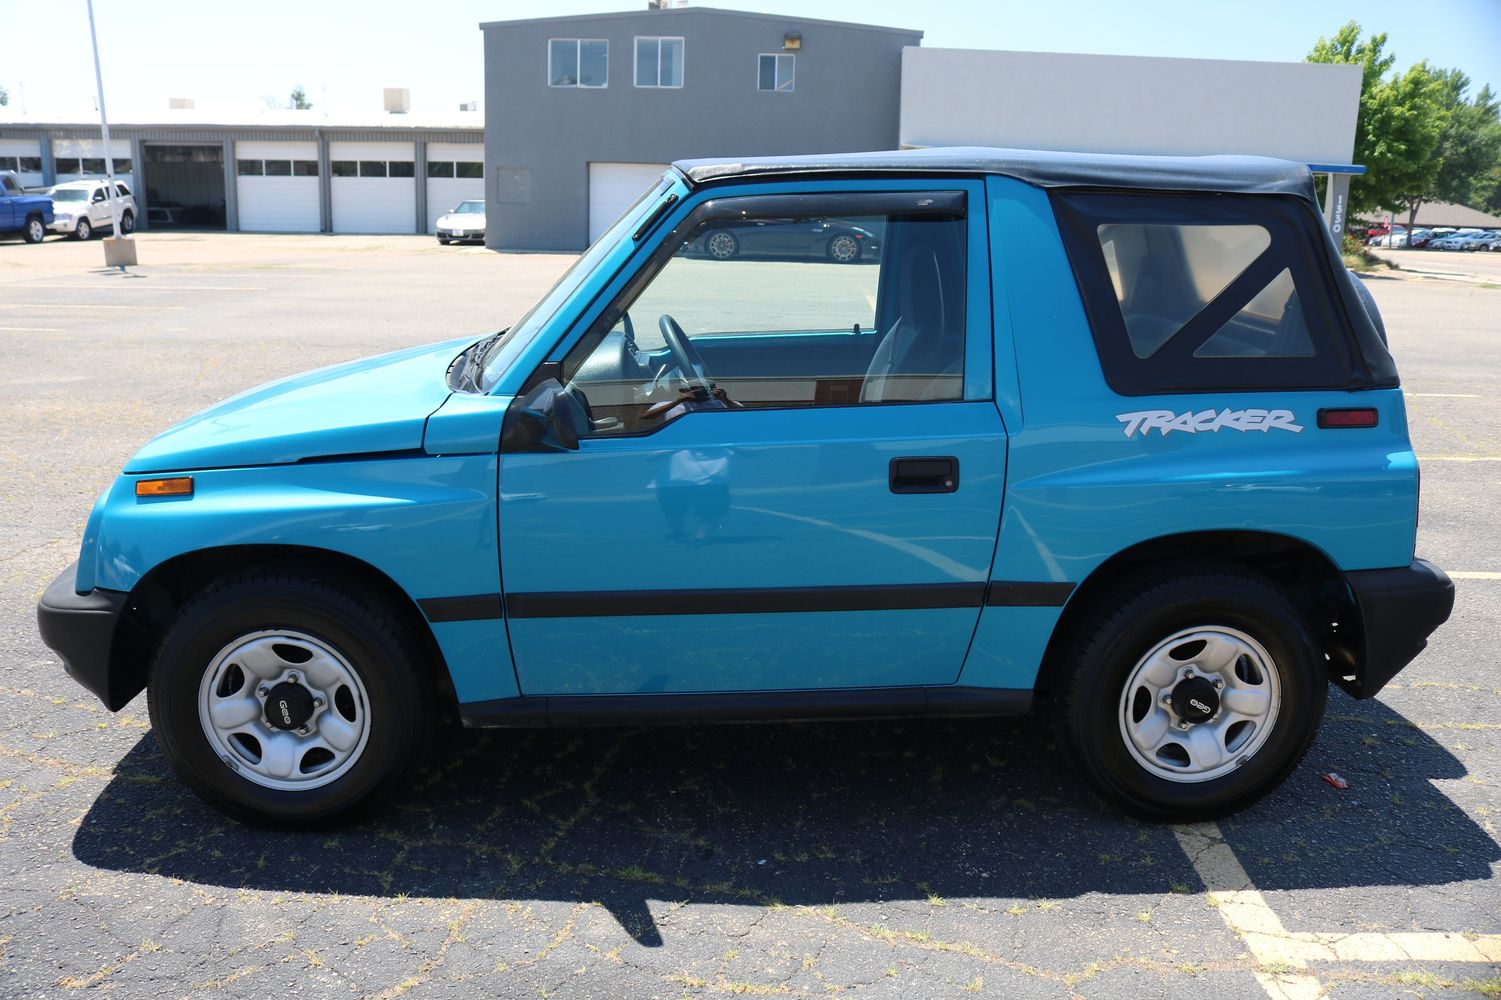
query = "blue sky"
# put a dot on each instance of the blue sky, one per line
(228, 55)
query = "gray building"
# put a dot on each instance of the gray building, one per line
(601, 103)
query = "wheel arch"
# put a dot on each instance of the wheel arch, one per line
(1304, 572)
(157, 597)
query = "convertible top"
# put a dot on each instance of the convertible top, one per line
(1042, 168)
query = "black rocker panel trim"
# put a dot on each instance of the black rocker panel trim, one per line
(745, 706)
(462, 609)
(1004, 594)
(758, 600)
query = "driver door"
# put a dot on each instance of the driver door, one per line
(735, 518)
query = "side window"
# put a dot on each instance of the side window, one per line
(1191, 293)
(782, 309)
(578, 62)
(776, 72)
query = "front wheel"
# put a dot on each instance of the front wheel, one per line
(844, 249)
(1192, 695)
(721, 245)
(83, 230)
(35, 231)
(283, 700)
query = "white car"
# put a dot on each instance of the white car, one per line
(465, 222)
(81, 207)
(1456, 240)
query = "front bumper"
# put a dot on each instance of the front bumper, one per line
(81, 629)
(62, 225)
(1399, 609)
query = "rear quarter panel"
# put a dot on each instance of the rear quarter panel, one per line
(1081, 489)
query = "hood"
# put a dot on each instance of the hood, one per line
(376, 404)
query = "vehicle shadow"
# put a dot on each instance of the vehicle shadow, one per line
(800, 815)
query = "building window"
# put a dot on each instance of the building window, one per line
(278, 168)
(69, 165)
(93, 165)
(122, 166)
(304, 168)
(372, 168)
(659, 62)
(249, 168)
(401, 168)
(469, 169)
(7, 163)
(440, 168)
(777, 72)
(578, 62)
(31, 164)
(345, 168)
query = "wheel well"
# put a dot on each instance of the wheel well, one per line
(1307, 576)
(158, 596)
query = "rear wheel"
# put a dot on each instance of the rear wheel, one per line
(844, 249)
(1192, 695)
(721, 245)
(283, 700)
(127, 223)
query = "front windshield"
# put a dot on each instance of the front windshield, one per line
(70, 194)
(470, 208)
(540, 314)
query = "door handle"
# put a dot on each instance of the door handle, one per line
(928, 474)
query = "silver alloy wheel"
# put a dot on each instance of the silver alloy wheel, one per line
(35, 231)
(1246, 696)
(232, 708)
(844, 248)
(721, 245)
(127, 224)
(83, 230)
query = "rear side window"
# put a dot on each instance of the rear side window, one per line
(1198, 293)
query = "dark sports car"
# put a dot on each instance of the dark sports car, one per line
(836, 240)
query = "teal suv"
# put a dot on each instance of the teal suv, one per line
(1116, 438)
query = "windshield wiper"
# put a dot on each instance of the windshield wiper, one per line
(472, 362)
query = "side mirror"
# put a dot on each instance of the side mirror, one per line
(545, 419)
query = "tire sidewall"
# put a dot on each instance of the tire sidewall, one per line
(1258, 613)
(83, 230)
(209, 627)
(734, 245)
(844, 260)
(127, 223)
(35, 232)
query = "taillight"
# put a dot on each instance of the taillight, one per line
(1360, 416)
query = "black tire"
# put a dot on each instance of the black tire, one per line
(35, 230)
(721, 244)
(373, 641)
(127, 223)
(1098, 661)
(843, 249)
(83, 230)
(443, 241)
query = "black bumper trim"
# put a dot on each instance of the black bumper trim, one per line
(744, 706)
(80, 628)
(1399, 609)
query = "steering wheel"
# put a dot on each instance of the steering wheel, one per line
(684, 354)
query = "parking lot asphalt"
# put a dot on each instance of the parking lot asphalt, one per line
(877, 859)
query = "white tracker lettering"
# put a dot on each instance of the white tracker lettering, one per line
(1143, 422)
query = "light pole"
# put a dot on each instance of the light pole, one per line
(116, 254)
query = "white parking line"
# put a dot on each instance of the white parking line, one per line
(1284, 955)
(32, 329)
(1474, 575)
(77, 305)
(1442, 395)
(156, 288)
(1459, 458)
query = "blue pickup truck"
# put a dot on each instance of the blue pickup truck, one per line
(1117, 438)
(27, 214)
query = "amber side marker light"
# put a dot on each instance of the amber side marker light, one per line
(179, 486)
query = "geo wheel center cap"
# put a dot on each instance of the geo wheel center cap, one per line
(288, 706)
(1195, 699)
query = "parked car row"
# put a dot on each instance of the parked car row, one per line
(1434, 239)
(75, 208)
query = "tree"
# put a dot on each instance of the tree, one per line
(298, 100)
(1470, 145)
(4, 96)
(1397, 125)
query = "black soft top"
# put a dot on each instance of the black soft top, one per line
(1043, 168)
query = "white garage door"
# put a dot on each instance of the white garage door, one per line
(612, 189)
(455, 173)
(277, 186)
(373, 186)
(78, 158)
(24, 156)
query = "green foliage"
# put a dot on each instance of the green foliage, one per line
(299, 100)
(1418, 133)
(4, 96)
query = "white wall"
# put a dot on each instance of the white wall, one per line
(443, 193)
(69, 148)
(1128, 104)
